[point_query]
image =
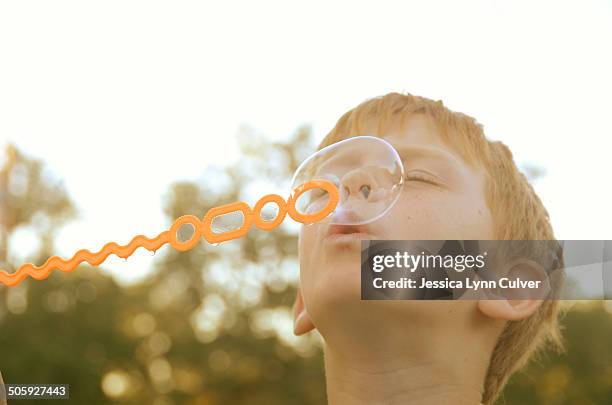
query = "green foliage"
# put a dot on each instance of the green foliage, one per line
(583, 375)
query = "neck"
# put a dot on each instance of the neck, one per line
(397, 380)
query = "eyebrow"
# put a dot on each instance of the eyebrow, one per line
(406, 152)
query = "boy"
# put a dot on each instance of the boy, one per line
(425, 352)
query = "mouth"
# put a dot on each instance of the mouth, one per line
(347, 233)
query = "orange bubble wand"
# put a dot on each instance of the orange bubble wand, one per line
(202, 228)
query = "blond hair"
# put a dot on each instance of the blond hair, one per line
(518, 213)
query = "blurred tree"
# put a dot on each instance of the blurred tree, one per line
(532, 171)
(583, 375)
(28, 193)
(212, 325)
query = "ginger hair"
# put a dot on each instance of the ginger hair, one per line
(518, 213)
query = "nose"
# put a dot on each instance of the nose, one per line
(360, 184)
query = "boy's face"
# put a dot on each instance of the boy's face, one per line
(443, 198)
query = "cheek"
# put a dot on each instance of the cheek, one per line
(472, 218)
(415, 216)
(431, 216)
(307, 253)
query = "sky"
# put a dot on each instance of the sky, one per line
(121, 98)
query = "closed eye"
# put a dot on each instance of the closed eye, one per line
(423, 177)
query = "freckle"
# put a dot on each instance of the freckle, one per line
(479, 212)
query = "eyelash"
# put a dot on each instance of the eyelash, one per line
(420, 177)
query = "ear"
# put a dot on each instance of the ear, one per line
(514, 304)
(301, 320)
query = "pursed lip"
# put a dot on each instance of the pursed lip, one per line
(348, 232)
